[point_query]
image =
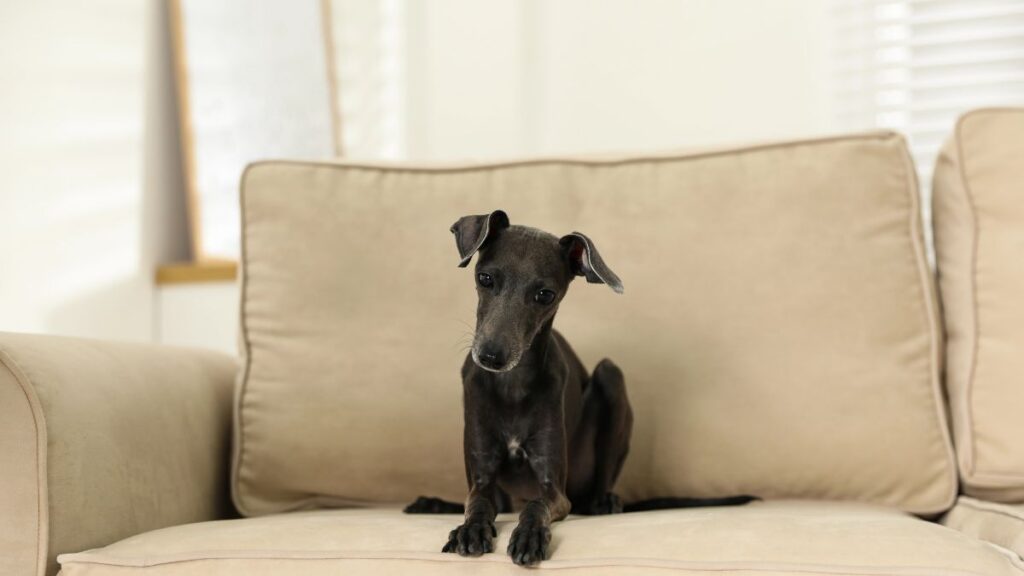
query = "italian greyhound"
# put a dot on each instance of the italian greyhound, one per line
(539, 432)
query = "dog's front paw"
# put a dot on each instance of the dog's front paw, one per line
(609, 503)
(471, 539)
(529, 543)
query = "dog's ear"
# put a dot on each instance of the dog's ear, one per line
(586, 261)
(472, 232)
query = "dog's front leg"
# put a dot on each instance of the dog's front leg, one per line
(530, 539)
(476, 534)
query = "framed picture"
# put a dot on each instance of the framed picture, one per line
(255, 80)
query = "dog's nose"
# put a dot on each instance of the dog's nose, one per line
(492, 358)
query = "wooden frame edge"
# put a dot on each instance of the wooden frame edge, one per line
(197, 272)
(179, 63)
(327, 25)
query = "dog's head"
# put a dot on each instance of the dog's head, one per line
(522, 274)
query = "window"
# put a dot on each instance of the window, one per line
(916, 65)
(369, 71)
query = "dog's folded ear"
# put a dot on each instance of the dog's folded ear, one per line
(472, 232)
(586, 261)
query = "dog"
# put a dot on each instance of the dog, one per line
(539, 431)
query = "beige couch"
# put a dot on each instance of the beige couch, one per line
(781, 335)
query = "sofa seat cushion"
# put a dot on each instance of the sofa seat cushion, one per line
(763, 538)
(1000, 524)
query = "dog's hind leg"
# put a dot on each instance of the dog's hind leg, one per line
(430, 505)
(606, 402)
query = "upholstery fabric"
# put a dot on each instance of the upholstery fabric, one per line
(979, 240)
(778, 330)
(764, 538)
(99, 441)
(1000, 524)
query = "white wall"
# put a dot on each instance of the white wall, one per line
(85, 162)
(90, 191)
(681, 73)
(203, 315)
(512, 77)
(465, 78)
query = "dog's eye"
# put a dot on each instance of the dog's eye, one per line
(544, 297)
(485, 280)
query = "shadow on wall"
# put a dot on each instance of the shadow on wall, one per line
(106, 311)
(130, 221)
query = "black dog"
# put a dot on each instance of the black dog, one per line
(538, 431)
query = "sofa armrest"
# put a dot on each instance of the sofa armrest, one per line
(999, 524)
(101, 440)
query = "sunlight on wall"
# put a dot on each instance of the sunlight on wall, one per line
(90, 188)
(369, 52)
(511, 78)
(78, 249)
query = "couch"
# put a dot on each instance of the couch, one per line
(782, 333)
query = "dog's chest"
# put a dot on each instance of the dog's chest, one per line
(515, 433)
(515, 476)
(516, 451)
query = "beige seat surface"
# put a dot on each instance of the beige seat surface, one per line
(1000, 524)
(763, 538)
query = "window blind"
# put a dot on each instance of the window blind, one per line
(916, 65)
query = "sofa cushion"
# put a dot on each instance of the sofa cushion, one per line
(1000, 524)
(762, 538)
(979, 240)
(778, 330)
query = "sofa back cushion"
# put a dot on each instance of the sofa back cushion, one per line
(979, 241)
(778, 330)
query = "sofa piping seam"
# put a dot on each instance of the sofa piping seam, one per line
(703, 566)
(985, 509)
(238, 420)
(968, 392)
(1011, 555)
(42, 492)
(931, 318)
(427, 168)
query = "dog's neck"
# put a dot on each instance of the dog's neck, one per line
(518, 382)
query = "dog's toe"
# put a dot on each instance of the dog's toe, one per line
(471, 539)
(452, 543)
(529, 544)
